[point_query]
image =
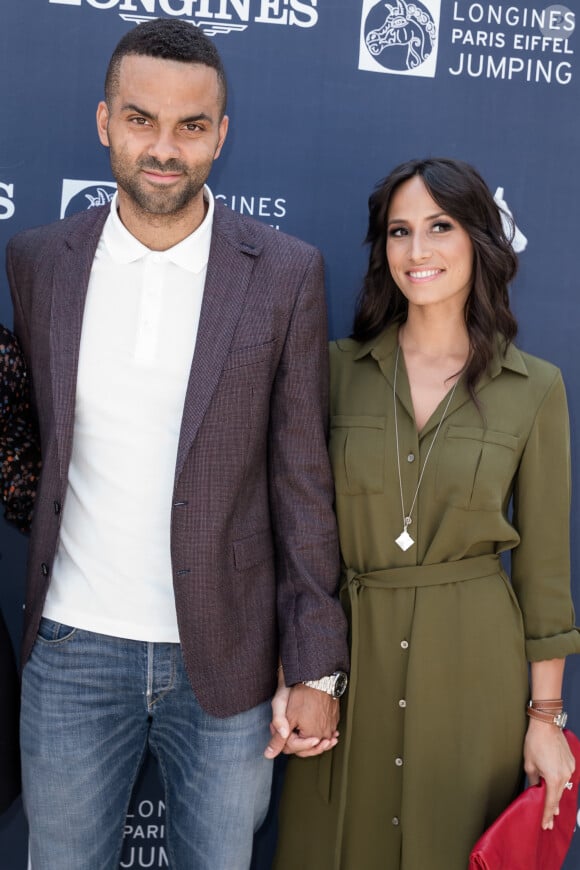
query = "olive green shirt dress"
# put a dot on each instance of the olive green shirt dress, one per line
(432, 726)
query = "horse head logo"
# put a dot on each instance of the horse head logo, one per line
(408, 28)
(81, 194)
(102, 197)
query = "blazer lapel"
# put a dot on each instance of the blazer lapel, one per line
(70, 278)
(230, 266)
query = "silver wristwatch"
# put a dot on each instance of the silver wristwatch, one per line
(334, 685)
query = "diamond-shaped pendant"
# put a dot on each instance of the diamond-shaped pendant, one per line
(404, 541)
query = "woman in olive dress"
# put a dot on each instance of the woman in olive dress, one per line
(19, 468)
(449, 446)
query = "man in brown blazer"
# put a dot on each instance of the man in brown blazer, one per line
(183, 542)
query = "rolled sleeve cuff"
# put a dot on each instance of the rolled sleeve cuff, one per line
(539, 649)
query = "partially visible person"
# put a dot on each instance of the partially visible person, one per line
(19, 441)
(9, 707)
(19, 469)
(449, 446)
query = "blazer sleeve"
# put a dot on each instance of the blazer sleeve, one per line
(541, 561)
(312, 625)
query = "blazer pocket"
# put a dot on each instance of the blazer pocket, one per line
(357, 453)
(247, 356)
(476, 467)
(252, 550)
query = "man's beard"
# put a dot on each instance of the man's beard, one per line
(161, 201)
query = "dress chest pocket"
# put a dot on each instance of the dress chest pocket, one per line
(357, 454)
(476, 467)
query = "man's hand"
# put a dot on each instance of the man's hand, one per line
(303, 723)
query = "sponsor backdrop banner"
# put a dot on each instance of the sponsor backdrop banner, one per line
(326, 97)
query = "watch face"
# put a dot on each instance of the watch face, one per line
(340, 684)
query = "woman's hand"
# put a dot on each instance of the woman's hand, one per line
(290, 711)
(547, 755)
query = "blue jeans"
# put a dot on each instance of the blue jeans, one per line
(91, 704)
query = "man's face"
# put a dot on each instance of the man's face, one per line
(164, 130)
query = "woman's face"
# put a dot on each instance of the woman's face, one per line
(430, 255)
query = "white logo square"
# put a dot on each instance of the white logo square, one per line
(399, 37)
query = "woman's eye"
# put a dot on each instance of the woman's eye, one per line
(397, 232)
(442, 227)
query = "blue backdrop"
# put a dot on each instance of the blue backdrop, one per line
(326, 97)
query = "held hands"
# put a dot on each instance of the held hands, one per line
(547, 755)
(303, 722)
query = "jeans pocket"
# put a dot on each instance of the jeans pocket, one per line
(50, 631)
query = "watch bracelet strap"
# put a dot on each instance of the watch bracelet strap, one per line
(550, 718)
(557, 705)
(324, 684)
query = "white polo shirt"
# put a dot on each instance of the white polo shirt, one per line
(112, 572)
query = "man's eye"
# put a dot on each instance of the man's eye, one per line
(140, 122)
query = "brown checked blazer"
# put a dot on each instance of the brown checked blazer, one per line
(253, 539)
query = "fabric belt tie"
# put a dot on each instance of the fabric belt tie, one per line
(394, 578)
(424, 575)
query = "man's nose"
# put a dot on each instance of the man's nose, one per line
(164, 147)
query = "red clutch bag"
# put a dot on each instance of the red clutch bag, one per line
(516, 840)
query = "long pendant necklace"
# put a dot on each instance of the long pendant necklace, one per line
(404, 541)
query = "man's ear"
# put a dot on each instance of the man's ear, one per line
(223, 131)
(102, 123)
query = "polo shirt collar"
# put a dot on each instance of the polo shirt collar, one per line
(191, 254)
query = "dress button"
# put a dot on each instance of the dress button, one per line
(395, 820)
(404, 644)
(56, 507)
(44, 569)
(411, 457)
(402, 703)
(399, 762)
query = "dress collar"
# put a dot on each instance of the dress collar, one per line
(385, 345)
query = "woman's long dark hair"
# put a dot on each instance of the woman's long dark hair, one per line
(462, 194)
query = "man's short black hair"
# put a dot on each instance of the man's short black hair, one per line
(168, 39)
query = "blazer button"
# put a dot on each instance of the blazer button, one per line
(56, 507)
(44, 569)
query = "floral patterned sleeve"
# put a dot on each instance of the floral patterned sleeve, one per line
(19, 441)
